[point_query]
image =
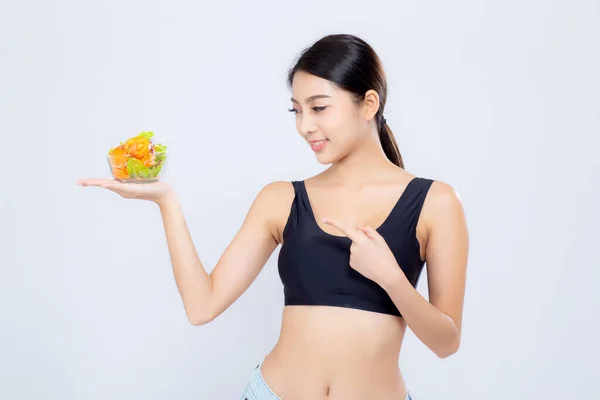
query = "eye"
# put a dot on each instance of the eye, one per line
(316, 109)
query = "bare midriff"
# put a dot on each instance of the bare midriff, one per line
(336, 353)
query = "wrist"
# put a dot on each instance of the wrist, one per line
(166, 199)
(394, 280)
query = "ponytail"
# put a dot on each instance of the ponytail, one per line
(388, 142)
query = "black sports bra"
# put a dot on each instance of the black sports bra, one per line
(314, 265)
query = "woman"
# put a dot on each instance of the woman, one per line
(354, 239)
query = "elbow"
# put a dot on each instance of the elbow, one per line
(450, 344)
(199, 319)
(199, 311)
(449, 349)
(445, 354)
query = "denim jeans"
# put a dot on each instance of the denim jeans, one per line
(257, 388)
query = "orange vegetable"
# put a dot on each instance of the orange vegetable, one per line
(137, 147)
(118, 162)
(118, 156)
(149, 160)
(120, 173)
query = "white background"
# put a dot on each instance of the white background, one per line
(501, 99)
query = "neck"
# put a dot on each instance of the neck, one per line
(367, 163)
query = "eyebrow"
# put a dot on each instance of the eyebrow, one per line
(312, 98)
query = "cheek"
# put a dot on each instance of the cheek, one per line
(344, 136)
(335, 127)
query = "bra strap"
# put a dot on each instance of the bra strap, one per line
(414, 202)
(295, 209)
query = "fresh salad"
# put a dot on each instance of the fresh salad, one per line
(137, 157)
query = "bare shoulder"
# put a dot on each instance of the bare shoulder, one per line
(443, 200)
(443, 194)
(275, 193)
(275, 199)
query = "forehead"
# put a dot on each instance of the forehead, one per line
(305, 85)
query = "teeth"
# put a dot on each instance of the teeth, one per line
(318, 143)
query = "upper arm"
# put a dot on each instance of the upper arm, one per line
(250, 249)
(446, 251)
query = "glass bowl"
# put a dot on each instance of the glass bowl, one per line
(132, 170)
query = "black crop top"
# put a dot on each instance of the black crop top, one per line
(314, 265)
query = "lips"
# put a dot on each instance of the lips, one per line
(317, 145)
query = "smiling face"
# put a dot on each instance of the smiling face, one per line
(327, 117)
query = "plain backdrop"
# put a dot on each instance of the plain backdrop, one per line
(501, 99)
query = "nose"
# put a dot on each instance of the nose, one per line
(305, 124)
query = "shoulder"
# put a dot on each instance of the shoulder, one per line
(274, 200)
(443, 194)
(443, 200)
(275, 191)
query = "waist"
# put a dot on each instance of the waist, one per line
(337, 343)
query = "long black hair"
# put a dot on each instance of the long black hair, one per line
(352, 64)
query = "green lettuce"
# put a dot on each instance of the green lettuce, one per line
(147, 135)
(160, 148)
(136, 169)
(160, 154)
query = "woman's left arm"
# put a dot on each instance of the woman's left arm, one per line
(437, 322)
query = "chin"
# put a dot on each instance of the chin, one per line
(326, 159)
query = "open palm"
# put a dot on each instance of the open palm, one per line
(154, 191)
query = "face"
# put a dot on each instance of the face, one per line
(327, 117)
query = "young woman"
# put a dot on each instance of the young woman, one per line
(354, 240)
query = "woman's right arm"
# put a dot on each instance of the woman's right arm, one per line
(205, 296)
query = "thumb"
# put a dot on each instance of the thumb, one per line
(370, 232)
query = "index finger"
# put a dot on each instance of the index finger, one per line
(351, 233)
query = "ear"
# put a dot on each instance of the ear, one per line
(370, 104)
